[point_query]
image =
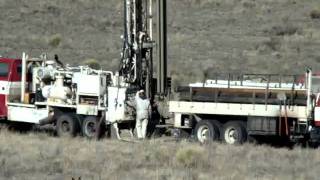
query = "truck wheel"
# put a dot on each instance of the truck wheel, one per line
(234, 132)
(206, 131)
(20, 127)
(89, 127)
(218, 125)
(67, 125)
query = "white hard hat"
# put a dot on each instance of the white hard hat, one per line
(50, 62)
(141, 91)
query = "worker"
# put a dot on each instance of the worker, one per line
(56, 59)
(143, 109)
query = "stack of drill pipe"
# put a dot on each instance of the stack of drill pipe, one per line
(244, 95)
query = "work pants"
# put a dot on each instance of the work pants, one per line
(141, 127)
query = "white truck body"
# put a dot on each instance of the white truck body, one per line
(255, 107)
(26, 113)
(234, 109)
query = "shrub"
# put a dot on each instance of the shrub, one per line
(315, 14)
(162, 155)
(190, 156)
(274, 43)
(55, 40)
(92, 63)
(249, 4)
(53, 10)
(282, 30)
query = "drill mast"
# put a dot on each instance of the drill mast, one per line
(136, 61)
(136, 65)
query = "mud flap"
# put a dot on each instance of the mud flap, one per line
(315, 135)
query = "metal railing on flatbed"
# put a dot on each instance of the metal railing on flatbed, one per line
(248, 88)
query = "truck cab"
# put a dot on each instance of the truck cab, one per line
(10, 83)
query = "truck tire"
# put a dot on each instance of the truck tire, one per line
(218, 125)
(234, 132)
(89, 127)
(206, 131)
(67, 125)
(21, 127)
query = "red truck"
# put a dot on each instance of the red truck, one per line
(10, 82)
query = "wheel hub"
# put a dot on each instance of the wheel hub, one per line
(203, 134)
(65, 127)
(231, 136)
(91, 128)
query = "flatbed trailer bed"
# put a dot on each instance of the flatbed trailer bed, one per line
(236, 109)
(231, 110)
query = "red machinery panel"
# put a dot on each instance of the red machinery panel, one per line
(9, 73)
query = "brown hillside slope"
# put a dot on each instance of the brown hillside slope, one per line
(204, 35)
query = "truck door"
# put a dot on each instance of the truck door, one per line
(4, 77)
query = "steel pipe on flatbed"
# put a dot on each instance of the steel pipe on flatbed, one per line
(248, 96)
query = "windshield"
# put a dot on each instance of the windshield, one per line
(4, 70)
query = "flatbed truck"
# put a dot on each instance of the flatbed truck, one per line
(236, 109)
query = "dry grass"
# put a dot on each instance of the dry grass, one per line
(37, 156)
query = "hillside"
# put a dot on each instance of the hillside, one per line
(204, 35)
